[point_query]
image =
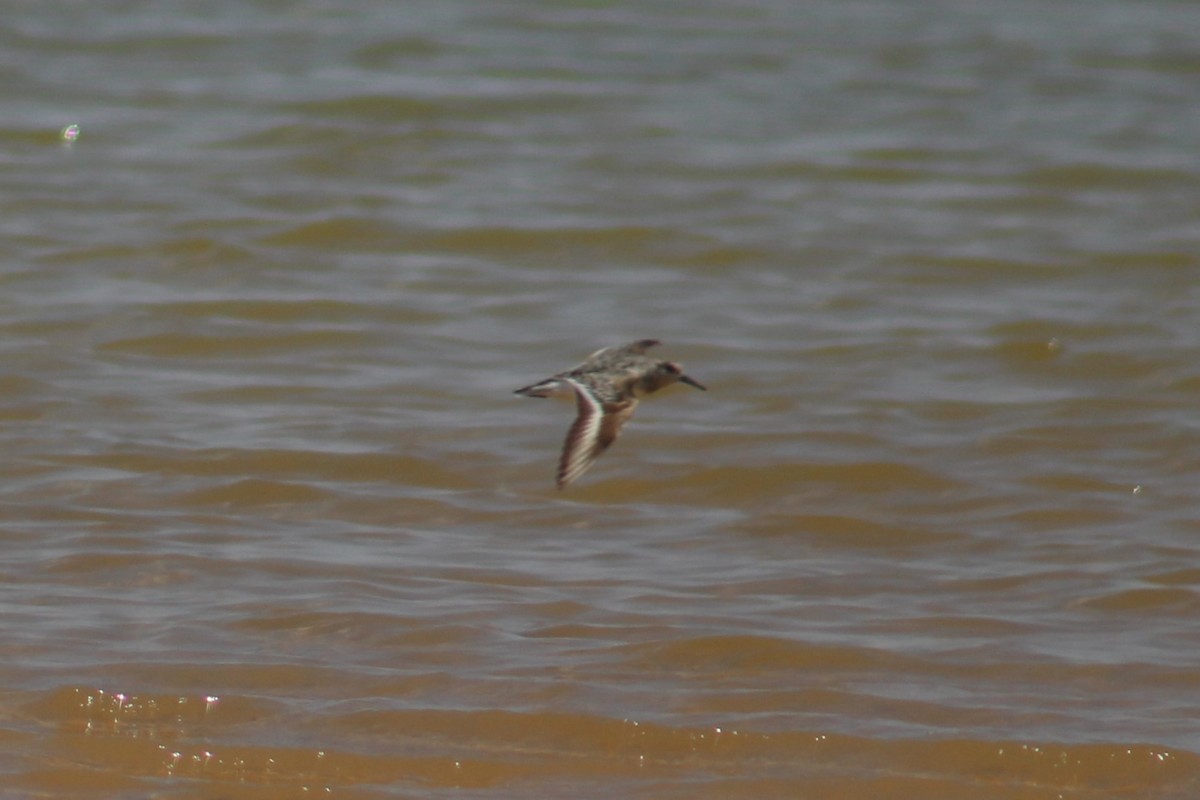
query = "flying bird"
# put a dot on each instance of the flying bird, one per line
(606, 387)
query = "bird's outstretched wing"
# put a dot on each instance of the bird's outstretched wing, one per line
(596, 426)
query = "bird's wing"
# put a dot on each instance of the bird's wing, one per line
(640, 346)
(596, 426)
(612, 353)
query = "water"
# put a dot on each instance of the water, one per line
(275, 526)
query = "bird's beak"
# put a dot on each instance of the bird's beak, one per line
(693, 382)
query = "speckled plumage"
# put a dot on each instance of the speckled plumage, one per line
(606, 387)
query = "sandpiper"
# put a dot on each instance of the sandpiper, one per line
(607, 386)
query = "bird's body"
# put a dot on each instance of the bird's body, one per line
(606, 387)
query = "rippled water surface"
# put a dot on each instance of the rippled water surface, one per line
(274, 524)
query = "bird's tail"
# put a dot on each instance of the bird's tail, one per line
(551, 387)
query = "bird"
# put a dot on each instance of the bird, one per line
(606, 388)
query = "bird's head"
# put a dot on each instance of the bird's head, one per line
(668, 372)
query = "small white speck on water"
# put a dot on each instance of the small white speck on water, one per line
(69, 133)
